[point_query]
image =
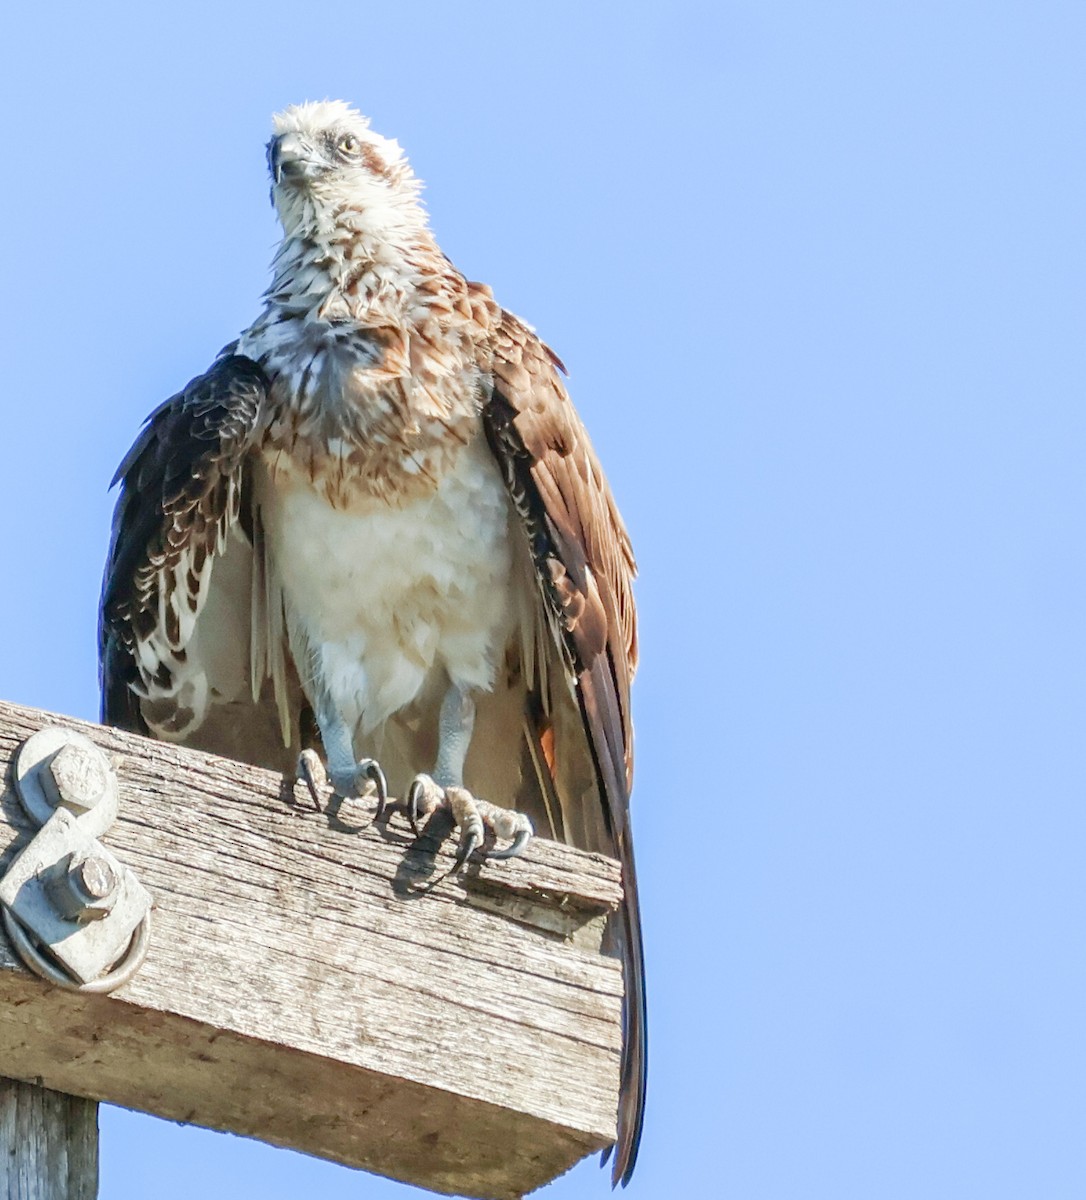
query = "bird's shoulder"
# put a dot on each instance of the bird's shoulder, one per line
(579, 540)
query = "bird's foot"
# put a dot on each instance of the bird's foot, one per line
(472, 816)
(364, 777)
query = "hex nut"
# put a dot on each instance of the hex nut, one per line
(76, 777)
(83, 888)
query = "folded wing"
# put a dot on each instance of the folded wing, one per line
(584, 567)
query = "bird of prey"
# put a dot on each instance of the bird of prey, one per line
(376, 527)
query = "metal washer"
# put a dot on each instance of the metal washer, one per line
(30, 762)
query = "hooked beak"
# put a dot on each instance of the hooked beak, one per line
(290, 156)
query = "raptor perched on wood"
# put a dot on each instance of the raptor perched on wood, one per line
(377, 526)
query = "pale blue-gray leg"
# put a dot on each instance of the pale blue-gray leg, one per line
(349, 775)
(445, 787)
(455, 725)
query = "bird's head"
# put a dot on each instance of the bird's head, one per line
(328, 166)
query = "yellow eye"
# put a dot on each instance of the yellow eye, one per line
(348, 144)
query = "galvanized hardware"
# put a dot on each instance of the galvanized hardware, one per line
(55, 768)
(83, 889)
(74, 913)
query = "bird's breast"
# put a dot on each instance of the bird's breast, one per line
(385, 594)
(382, 412)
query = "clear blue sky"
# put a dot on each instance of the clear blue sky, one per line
(817, 271)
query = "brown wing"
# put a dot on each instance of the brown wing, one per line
(585, 567)
(182, 497)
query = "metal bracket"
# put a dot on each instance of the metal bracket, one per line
(75, 914)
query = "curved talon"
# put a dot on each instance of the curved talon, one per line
(371, 768)
(465, 811)
(470, 841)
(472, 816)
(411, 804)
(424, 797)
(524, 836)
(310, 768)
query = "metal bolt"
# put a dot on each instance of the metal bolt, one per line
(95, 878)
(84, 889)
(76, 777)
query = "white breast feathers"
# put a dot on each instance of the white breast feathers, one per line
(378, 597)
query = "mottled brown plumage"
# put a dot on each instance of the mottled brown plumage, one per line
(379, 515)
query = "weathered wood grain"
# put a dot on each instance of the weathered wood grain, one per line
(324, 983)
(48, 1144)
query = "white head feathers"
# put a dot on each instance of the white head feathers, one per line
(330, 168)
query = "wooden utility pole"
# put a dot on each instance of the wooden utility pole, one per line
(49, 1143)
(322, 982)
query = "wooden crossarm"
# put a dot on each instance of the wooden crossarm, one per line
(321, 982)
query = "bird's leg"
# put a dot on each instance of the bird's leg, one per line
(348, 774)
(455, 725)
(445, 788)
